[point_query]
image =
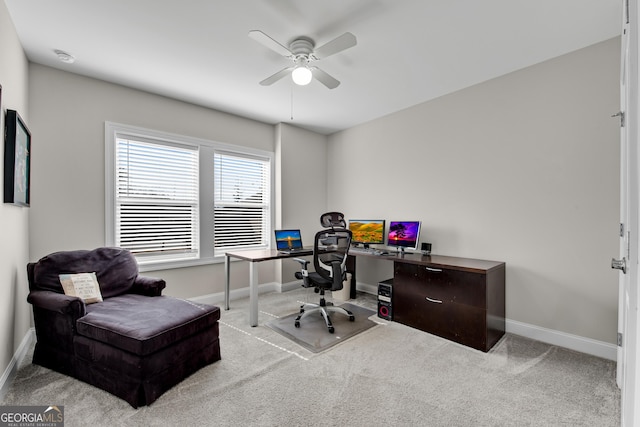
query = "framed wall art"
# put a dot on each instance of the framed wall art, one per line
(17, 160)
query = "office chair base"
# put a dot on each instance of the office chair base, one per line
(324, 311)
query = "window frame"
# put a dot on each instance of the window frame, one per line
(207, 149)
(220, 203)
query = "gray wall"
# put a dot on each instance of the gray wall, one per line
(523, 169)
(302, 192)
(14, 221)
(68, 115)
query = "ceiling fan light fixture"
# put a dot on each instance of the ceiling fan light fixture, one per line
(301, 75)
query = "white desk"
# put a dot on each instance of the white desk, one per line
(254, 257)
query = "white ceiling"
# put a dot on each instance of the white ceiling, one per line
(408, 51)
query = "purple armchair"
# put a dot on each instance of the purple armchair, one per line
(136, 344)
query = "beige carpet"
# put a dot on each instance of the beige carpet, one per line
(387, 375)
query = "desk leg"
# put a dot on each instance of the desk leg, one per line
(227, 267)
(351, 268)
(253, 294)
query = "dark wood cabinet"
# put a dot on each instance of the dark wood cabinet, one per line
(459, 299)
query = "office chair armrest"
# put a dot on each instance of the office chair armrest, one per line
(304, 262)
(304, 274)
(338, 275)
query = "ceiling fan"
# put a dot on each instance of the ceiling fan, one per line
(302, 52)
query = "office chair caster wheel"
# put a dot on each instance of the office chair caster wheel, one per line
(331, 329)
(352, 318)
(297, 324)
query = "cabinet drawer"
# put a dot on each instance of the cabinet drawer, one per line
(441, 284)
(456, 322)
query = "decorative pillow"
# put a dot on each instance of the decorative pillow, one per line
(82, 285)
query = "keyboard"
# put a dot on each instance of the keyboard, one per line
(292, 251)
(369, 251)
(360, 251)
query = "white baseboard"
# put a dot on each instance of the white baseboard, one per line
(218, 297)
(563, 339)
(574, 342)
(366, 288)
(10, 373)
(290, 286)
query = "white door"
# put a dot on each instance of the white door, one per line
(628, 374)
(622, 261)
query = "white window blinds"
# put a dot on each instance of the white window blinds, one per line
(157, 199)
(241, 201)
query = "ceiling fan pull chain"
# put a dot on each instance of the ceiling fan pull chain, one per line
(291, 103)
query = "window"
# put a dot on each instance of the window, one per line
(176, 201)
(241, 202)
(156, 200)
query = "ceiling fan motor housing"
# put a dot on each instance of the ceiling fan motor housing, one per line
(302, 47)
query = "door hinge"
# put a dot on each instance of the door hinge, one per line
(621, 230)
(621, 115)
(619, 339)
(619, 264)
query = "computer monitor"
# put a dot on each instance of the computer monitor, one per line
(404, 234)
(288, 239)
(367, 231)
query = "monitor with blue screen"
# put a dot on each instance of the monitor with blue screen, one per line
(287, 240)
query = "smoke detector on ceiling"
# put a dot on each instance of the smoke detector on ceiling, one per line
(65, 57)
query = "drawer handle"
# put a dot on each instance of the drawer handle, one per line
(436, 270)
(437, 301)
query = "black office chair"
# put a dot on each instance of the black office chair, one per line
(330, 249)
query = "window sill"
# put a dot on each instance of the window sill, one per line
(171, 265)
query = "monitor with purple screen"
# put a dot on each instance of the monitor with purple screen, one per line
(404, 234)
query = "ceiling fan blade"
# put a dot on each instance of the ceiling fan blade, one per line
(277, 76)
(324, 78)
(267, 41)
(336, 45)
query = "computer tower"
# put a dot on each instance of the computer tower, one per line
(385, 293)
